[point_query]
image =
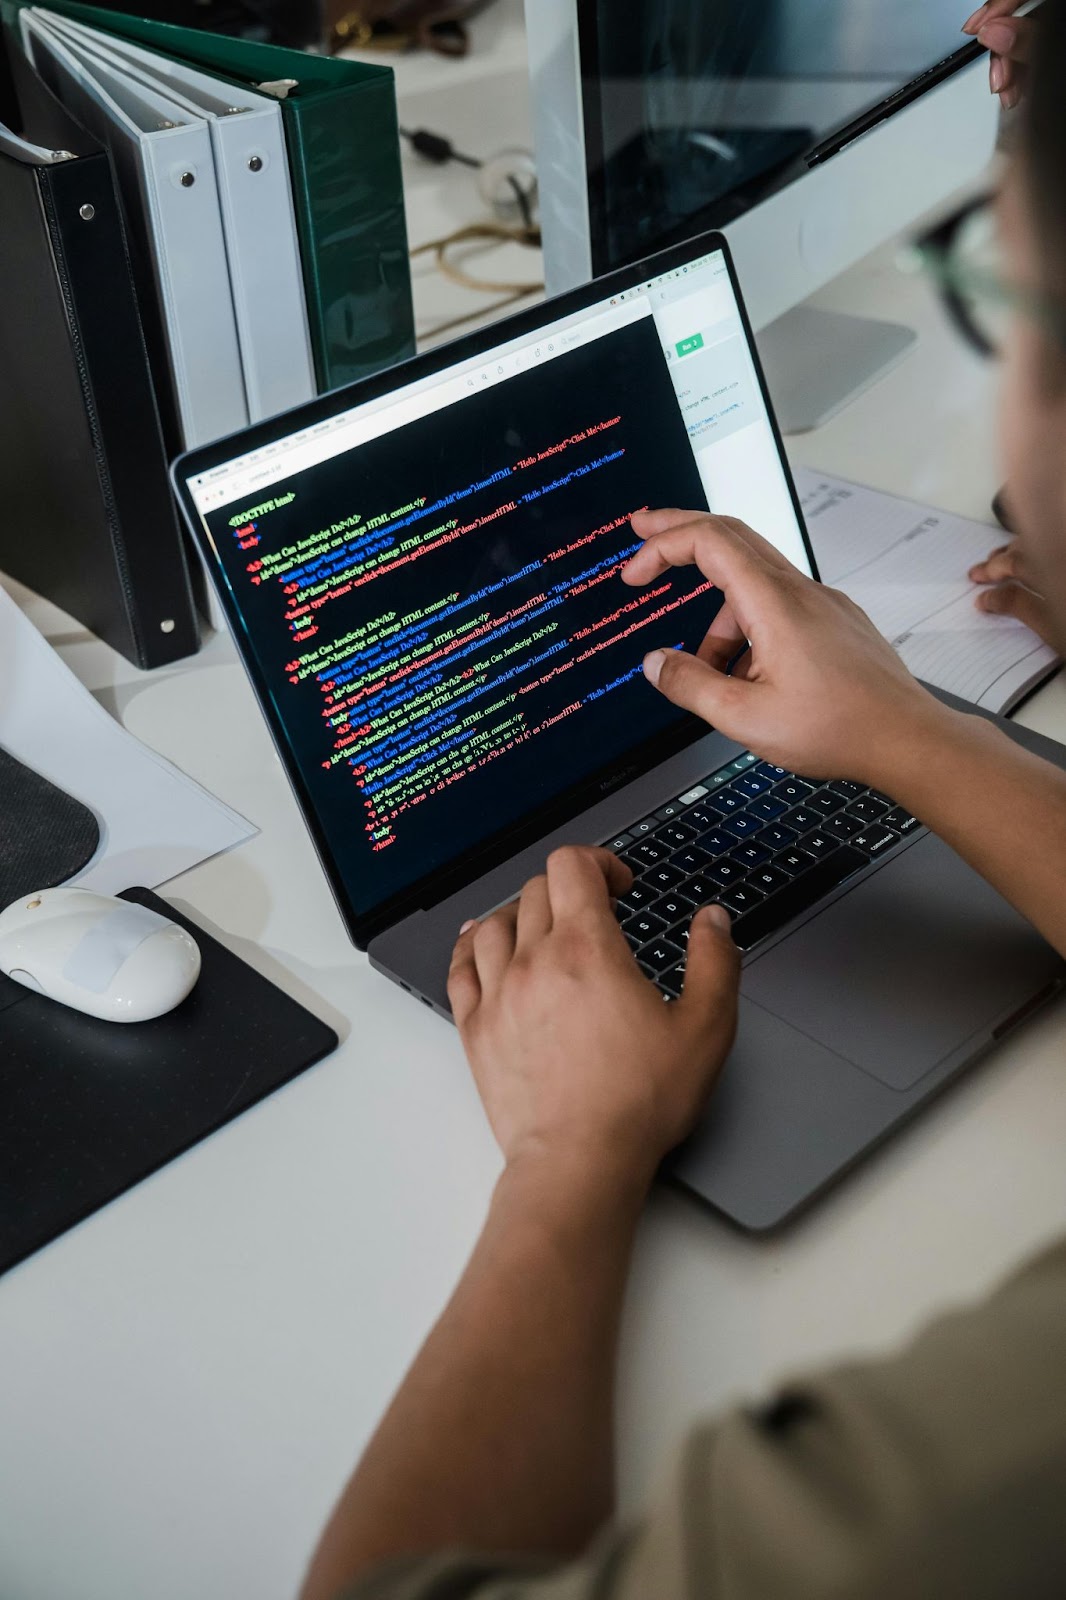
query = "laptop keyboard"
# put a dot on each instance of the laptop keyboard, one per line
(762, 842)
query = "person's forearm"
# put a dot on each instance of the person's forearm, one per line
(1002, 808)
(501, 1435)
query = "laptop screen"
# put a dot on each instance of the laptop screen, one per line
(424, 583)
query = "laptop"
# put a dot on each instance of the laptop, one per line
(421, 576)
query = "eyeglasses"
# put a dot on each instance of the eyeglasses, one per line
(964, 256)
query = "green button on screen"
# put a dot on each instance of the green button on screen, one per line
(686, 347)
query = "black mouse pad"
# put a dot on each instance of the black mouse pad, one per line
(46, 836)
(89, 1108)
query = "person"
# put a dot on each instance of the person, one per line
(938, 1473)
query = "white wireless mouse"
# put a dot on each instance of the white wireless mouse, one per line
(106, 957)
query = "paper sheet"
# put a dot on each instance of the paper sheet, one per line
(154, 821)
(906, 565)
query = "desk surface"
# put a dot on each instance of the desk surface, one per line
(189, 1375)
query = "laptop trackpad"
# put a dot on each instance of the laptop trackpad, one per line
(920, 959)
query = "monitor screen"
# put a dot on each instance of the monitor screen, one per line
(425, 585)
(695, 110)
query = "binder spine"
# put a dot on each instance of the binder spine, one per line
(93, 271)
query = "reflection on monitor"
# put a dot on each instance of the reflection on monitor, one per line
(696, 109)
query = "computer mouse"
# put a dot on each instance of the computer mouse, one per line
(106, 957)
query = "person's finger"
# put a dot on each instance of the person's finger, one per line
(648, 524)
(722, 640)
(494, 945)
(464, 985)
(978, 572)
(697, 687)
(1010, 39)
(534, 914)
(985, 13)
(1015, 600)
(998, 567)
(581, 883)
(746, 580)
(712, 976)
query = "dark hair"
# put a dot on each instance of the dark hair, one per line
(1043, 144)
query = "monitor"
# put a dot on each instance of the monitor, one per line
(664, 117)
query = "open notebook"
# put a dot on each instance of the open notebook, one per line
(906, 565)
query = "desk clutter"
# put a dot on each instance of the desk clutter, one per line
(199, 231)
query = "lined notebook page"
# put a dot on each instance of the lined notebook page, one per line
(906, 565)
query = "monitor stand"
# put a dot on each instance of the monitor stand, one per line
(817, 362)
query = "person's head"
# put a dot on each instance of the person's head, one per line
(1033, 408)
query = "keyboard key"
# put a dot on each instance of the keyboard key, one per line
(793, 861)
(716, 780)
(680, 931)
(752, 785)
(674, 908)
(900, 821)
(769, 880)
(644, 926)
(671, 982)
(642, 894)
(641, 830)
(742, 826)
(726, 802)
(802, 818)
(802, 893)
(632, 940)
(750, 855)
(777, 837)
(793, 790)
(825, 802)
(875, 840)
(744, 897)
(867, 809)
(668, 812)
(660, 955)
(846, 789)
(693, 858)
(675, 834)
(819, 844)
(704, 889)
(768, 770)
(619, 844)
(722, 873)
(635, 866)
(663, 877)
(715, 842)
(702, 817)
(649, 852)
(768, 808)
(690, 796)
(842, 827)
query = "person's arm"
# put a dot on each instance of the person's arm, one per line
(821, 693)
(500, 1438)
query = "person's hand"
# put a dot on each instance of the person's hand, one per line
(819, 692)
(1009, 40)
(574, 1052)
(1005, 592)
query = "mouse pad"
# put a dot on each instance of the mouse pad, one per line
(89, 1108)
(46, 836)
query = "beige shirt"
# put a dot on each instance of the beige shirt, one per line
(938, 1474)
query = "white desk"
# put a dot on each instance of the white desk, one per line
(186, 1378)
